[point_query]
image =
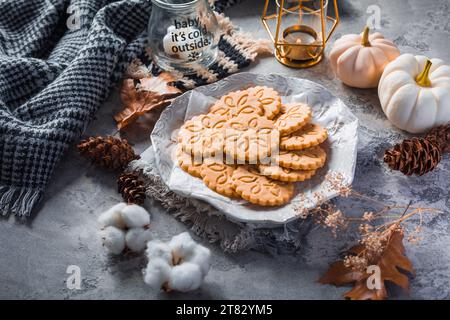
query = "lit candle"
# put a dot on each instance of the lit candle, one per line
(299, 35)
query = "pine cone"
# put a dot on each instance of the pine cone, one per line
(414, 156)
(442, 136)
(131, 188)
(107, 152)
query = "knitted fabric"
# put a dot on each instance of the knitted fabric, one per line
(59, 60)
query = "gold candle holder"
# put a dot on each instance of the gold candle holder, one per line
(299, 32)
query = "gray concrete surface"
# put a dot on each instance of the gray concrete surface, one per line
(34, 256)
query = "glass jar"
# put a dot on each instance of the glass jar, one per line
(183, 34)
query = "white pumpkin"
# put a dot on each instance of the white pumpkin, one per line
(359, 59)
(414, 93)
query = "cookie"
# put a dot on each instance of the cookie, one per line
(249, 126)
(202, 135)
(285, 174)
(207, 144)
(309, 135)
(237, 103)
(307, 159)
(258, 189)
(187, 163)
(293, 117)
(270, 100)
(218, 177)
(250, 138)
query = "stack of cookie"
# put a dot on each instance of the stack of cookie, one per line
(252, 146)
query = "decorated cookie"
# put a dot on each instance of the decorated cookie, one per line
(293, 117)
(251, 138)
(250, 127)
(187, 163)
(218, 177)
(237, 103)
(285, 174)
(198, 124)
(207, 144)
(307, 159)
(244, 122)
(258, 189)
(203, 135)
(270, 100)
(309, 135)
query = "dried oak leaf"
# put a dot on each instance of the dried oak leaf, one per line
(393, 265)
(160, 84)
(155, 93)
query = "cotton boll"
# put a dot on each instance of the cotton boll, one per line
(113, 239)
(159, 249)
(112, 217)
(187, 261)
(136, 239)
(184, 237)
(135, 216)
(201, 257)
(182, 245)
(185, 277)
(157, 273)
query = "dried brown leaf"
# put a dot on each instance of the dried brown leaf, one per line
(392, 263)
(138, 102)
(160, 84)
(361, 292)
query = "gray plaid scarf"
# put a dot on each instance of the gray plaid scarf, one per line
(58, 61)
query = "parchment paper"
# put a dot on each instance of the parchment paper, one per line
(328, 111)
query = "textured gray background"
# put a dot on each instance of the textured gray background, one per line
(34, 256)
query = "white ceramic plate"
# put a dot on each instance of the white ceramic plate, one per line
(328, 111)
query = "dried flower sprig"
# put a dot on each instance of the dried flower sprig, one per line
(374, 235)
(381, 241)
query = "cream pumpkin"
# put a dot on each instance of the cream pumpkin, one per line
(414, 93)
(359, 59)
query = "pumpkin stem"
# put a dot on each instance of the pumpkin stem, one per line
(422, 79)
(365, 37)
